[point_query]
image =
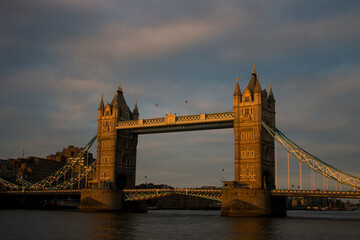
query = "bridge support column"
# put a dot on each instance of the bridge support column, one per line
(237, 202)
(92, 200)
(102, 200)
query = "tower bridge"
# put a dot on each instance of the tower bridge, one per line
(253, 191)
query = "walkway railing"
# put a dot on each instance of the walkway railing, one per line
(172, 119)
(145, 194)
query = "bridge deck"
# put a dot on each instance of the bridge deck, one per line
(41, 192)
(144, 194)
(216, 194)
(173, 123)
(315, 193)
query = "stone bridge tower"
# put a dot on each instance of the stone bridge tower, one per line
(116, 150)
(250, 194)
(254, 147)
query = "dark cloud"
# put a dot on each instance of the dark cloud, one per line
(57, 57)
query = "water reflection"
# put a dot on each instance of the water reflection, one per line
(249, 228)
(113, 226)
(176, 224)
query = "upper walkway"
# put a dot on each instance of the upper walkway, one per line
(173, 123)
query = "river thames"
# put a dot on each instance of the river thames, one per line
(176, 224)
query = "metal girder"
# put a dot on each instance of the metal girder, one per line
(311, 161)
(144, 194)
(23, 182)
(42, 192)
(64, 185)
(179, 123)
(10, 185)
(61, 173)
(316, 193)
(183, 128)
(52, 182)
(139, 196)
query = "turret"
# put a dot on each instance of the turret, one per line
(237, 93)
(271, 95)
(257, 85)
(271, 100)
(135, 111)
(101, 106)
(253, 80)
(119, 89)
(116, 151)
(257, 90)
(118, 103)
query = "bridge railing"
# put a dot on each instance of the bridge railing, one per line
(173, 120)
(145, 194)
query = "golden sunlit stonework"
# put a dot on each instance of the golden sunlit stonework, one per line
(117, 137)
(250, 193)
(116, 150)
(254, 149)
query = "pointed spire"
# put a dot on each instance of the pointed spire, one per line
(271, 95)
(135, 107)
(135, 114)
(257, 85)
(119, 89)
(101, 106)
(253, 81)
(237, 88)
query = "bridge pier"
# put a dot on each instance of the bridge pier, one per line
(237, 202)
(98, 199)
(102, 200)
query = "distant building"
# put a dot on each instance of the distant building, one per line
(69, 153)
(322, 203)
(34, 169)
(7, 172)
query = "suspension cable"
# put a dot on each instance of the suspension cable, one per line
(311, 161)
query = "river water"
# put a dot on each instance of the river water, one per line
(176, 224)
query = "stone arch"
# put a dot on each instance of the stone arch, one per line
(267, 180)
(121, 181)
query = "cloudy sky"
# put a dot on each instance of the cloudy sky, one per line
(57, 57)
